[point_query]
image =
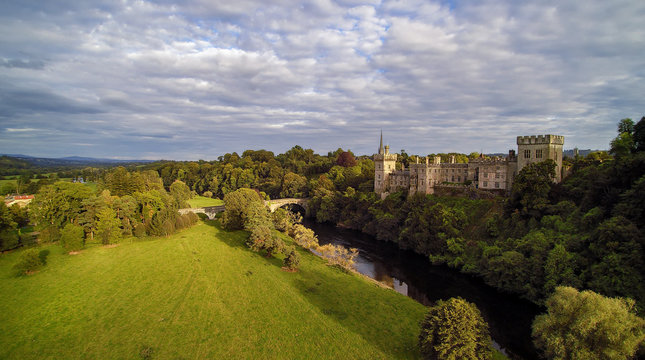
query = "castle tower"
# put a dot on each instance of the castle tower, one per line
(384, 165)
(532, 149)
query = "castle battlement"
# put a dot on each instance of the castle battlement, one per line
(540, 139)
(385, 157)
(495, 174)
(489, 161)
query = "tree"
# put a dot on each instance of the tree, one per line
(587, 325)
(293, 185)
(346, 159)
(454, 329)
(639, 135)
(30, 260)
(107, 228)
(531, 189)
(292, 260)
(237, 205)
(59, 203)
(181, 193)
(71, 237)
(8, 227)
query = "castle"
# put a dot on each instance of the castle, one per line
(494, 174)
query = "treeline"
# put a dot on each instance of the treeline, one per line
(587, 232)
(120, 209)
(291, 174)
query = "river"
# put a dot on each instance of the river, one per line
(509, 317)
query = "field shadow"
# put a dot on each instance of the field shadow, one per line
(237, 239)
(349, 307)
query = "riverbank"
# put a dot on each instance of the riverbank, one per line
(509, 317)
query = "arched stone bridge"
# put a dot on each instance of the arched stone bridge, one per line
(278, 203)
(211, 211)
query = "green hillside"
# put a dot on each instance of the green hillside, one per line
(199, 294)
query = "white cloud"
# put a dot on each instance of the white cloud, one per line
(167, 79)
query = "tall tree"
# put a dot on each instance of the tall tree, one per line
(587, 325)
(107, 228)
(454, 329)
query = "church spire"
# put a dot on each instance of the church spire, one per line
(380, 148)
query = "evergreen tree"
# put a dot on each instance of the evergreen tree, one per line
(454, 329)
(108, 230)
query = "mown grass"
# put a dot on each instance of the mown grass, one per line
(199, 294)
(202, 201)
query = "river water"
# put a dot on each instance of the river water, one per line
(509, 317)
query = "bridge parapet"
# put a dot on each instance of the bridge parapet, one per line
(211, 211)
(278, 203)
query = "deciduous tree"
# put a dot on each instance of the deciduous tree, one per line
(587, 325)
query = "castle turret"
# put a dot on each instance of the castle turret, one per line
(384, 165)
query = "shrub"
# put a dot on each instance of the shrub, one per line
(455, 329)
(29, 261)
(71, 237)
(304, 237)
(42, 255)
(139, 230)
(338, 255)
(207, 194)
(292, 261)
(8, 239)
(49, 234)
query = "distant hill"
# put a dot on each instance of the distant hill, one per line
(24, 161)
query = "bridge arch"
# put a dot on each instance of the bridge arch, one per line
(278, 203)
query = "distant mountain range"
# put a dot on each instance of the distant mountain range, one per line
(70, 160)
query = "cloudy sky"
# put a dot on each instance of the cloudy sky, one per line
(194, 80)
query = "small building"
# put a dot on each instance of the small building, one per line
(21, 200)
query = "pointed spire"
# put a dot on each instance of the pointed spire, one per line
(380, 148)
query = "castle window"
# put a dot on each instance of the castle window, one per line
(496, 175)
(527, 154)
(453, 178)
(485, 183)
(458, 178)
(538, 154)
(496, 185)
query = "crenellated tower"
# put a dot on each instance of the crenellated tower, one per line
(384, 165)
(532, 149)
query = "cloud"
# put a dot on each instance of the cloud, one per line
(202, 78)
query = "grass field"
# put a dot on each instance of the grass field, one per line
(199, 294)
(202, 201)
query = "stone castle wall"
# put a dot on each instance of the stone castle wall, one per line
(490, 174)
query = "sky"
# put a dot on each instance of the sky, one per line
(198, 79)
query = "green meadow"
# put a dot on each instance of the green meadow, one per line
(198, 294)
(202, 201)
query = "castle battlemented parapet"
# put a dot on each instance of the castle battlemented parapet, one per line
(494, 174)
(540, 139)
